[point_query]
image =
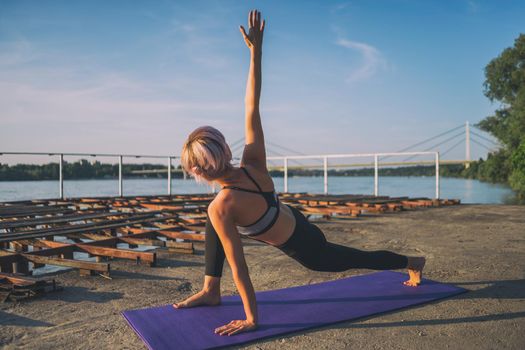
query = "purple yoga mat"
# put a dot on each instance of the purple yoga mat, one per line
(283, 310)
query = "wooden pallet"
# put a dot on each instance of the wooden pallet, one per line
(51, 231)
(15, 287)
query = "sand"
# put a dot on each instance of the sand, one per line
(478, 247)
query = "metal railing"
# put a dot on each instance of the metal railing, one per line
(169, 159)
(120, 158)
(376, 157)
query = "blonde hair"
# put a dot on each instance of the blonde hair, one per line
(205, 154)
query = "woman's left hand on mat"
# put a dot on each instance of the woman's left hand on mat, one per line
(235, 327)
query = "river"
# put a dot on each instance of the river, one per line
(468, 191)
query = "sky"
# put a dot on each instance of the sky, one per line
(136, 77)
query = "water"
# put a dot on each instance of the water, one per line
(469, 191)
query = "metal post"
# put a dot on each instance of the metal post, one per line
(325, 165)
(467, 144)
(169, 176)
(120, 192)
(376, 175)
(437, 175)
(285, 175)
(61, 177)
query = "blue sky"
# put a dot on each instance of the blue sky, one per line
(338, 76)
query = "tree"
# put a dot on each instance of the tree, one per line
(505, 83)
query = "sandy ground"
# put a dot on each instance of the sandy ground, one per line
(478, 247)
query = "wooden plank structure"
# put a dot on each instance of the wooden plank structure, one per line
(15, 287)
(64, 232)
(352, 206)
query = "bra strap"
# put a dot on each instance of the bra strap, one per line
(251, 178)
(239, 188)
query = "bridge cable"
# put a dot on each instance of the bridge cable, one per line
(485, 138)
(427, 140)
(237, 149)
(430, 139)
(281, 155)
(436, 145)
(450, 149)
(235, 144)
(482, 145)
(285, 148)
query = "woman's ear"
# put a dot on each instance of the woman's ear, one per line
(196, 170)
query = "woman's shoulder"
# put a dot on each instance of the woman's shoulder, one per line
(222, 203)
(254, 168)
(262, 176)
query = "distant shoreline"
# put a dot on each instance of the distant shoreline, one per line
(165, 177)
(84, 170)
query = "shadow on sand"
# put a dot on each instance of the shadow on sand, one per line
(7, 319)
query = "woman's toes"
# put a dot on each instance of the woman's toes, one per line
(410, 283)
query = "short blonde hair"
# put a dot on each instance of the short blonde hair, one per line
(207, 152)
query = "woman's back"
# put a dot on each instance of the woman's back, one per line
(251, 205)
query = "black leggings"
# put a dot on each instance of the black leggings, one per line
(309, 247)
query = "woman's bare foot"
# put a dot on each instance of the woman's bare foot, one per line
(201, 298)
(415, 271)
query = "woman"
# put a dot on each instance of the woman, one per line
(248, 205)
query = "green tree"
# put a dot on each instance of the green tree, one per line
(505, 83)
(517, 177)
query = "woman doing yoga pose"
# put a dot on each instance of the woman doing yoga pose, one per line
(248, 205)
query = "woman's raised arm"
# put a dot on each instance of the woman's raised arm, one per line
(254, 150)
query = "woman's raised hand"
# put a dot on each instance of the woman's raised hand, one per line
(254, 38)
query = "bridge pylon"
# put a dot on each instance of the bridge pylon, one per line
(467, 145)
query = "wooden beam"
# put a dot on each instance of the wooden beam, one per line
(162, 207)
(86, 265)
(66, 250)
(180, 247)
(143, 241)
(95, 236)
(55, 248)
(87, 226)
(183, 235)
(57, 219)
(19, 280)
(135, 230)
(6, 252)
(79, 229)
(146, 257)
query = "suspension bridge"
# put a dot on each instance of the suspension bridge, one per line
(462, 136)
(435, 147)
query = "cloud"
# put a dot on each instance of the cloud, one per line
(25, 102)
(339, 7)
(373, 60)
(16, 53)
(473, 6)
(68, 106)
(32, 88)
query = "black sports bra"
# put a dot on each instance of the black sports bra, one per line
(266, 221)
